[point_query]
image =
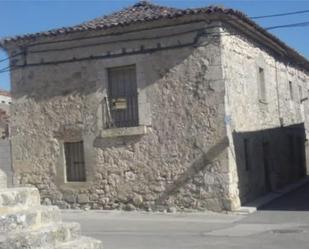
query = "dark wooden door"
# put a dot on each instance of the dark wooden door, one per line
(301, 157)
(267, 169)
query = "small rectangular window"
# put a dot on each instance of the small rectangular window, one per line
(123, 102)
(291, 90)
(75, 163)
(300, 93)
(246, 151)
(262, 86)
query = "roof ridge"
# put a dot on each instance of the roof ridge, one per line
(149, 3)
(143, 3)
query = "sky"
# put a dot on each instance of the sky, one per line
(27, 16)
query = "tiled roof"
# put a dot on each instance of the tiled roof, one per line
(144, 11)
(140, 12)
(5, 93)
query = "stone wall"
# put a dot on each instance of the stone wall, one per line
(273, 121)
(195, 88)
(181, 105)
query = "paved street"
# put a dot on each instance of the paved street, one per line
(283, 223)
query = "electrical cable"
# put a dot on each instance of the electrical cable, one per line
(300, 24)
(7, 69)
(10, 57)
(281, 14)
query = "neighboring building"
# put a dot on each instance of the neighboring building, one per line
(135, 109)
(5, 102)
(5, 147)
(5, 98)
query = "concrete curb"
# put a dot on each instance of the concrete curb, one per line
(252, 207)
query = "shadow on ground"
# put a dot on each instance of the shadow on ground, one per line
(298, 200)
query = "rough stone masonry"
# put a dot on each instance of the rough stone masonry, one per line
(221, 110)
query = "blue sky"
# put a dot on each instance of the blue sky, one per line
(27, 16)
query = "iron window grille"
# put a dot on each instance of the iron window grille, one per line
(122, 101)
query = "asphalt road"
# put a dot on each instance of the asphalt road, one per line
(282, 224)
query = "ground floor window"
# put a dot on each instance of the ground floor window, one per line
(75, 163)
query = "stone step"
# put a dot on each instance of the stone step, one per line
(12, 199)
(27, 219)
(81, 243)
(42, 237)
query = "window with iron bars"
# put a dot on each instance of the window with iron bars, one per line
(75, 163)
(122, 101)
(262, 85)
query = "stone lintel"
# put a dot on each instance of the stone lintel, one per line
(123, 132)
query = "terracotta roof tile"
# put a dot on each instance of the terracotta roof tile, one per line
(144, 11)
(5, 93)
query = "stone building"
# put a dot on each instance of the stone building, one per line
(5, 102)
(5, 147)
(154, 107)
